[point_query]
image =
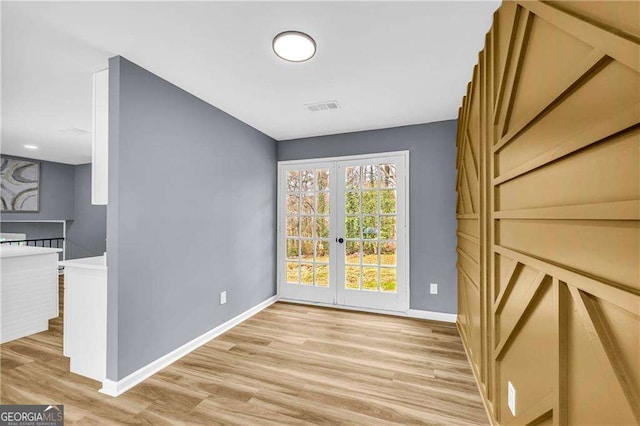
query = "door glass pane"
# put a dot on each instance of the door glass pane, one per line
(293, 180)
(352, 277)
(308, 204)
(307, 180)
(352, 178)
(388, 201)
(322, 275)
(387, 175)
(370, 202)
(292, 226)
(388, 280)
(323, 203)
(352, 203)
(322, 179)
(306, 229)
(388, 253)
(370, 252)
(293, 251)
(322, 252)
(370, 176)
(306, 273)
(293, 203)
(322, 227)
(352, 252)
(370, 227)
(388, 228)
(292, 272)
(306, 250)
(370, 279)
(352, 227)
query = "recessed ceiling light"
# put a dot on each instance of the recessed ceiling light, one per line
(31, 147)
(294, 46)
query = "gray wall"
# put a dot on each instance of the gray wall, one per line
(33, 230)
(192, 203)
(87, 232)
(432, 212)
(56, 194)
(65, 194)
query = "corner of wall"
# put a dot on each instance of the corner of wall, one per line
(112, 220)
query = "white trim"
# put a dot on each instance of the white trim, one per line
(411, 313)
(116, 388)
(344, 307)
(430, 315)
(346, 157)
(279, 220)
(407, 244)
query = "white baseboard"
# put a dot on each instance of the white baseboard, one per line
(412, 313)
(344, 308)
(435, 316)
(116, 388)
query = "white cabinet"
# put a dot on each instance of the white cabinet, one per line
(100, 148)
(85, 316)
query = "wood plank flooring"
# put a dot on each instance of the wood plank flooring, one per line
(289, 364)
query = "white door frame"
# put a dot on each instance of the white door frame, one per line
(281, 215)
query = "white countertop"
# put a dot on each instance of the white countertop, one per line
(86, 263)
(16, 251)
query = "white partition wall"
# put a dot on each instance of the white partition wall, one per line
(29, 291)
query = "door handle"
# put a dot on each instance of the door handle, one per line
(340, 240)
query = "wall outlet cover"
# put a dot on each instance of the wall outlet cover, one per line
(223, 297)
(433, 288)
(511, 398)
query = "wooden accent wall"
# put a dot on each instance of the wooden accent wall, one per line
(549, 213)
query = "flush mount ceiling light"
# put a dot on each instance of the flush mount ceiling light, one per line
(294, 46)
(30, 147)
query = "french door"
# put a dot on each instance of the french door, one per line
(342, 231)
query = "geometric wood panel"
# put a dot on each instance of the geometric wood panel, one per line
(549, 213)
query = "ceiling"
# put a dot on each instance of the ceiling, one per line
(387, 64)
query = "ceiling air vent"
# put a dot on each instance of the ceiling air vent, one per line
(323, 106)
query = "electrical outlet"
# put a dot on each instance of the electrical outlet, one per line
(433, 288)
(511, 398)
(223, 297)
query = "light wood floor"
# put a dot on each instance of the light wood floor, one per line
(287, 364)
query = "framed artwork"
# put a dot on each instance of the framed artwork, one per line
(20, 181)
